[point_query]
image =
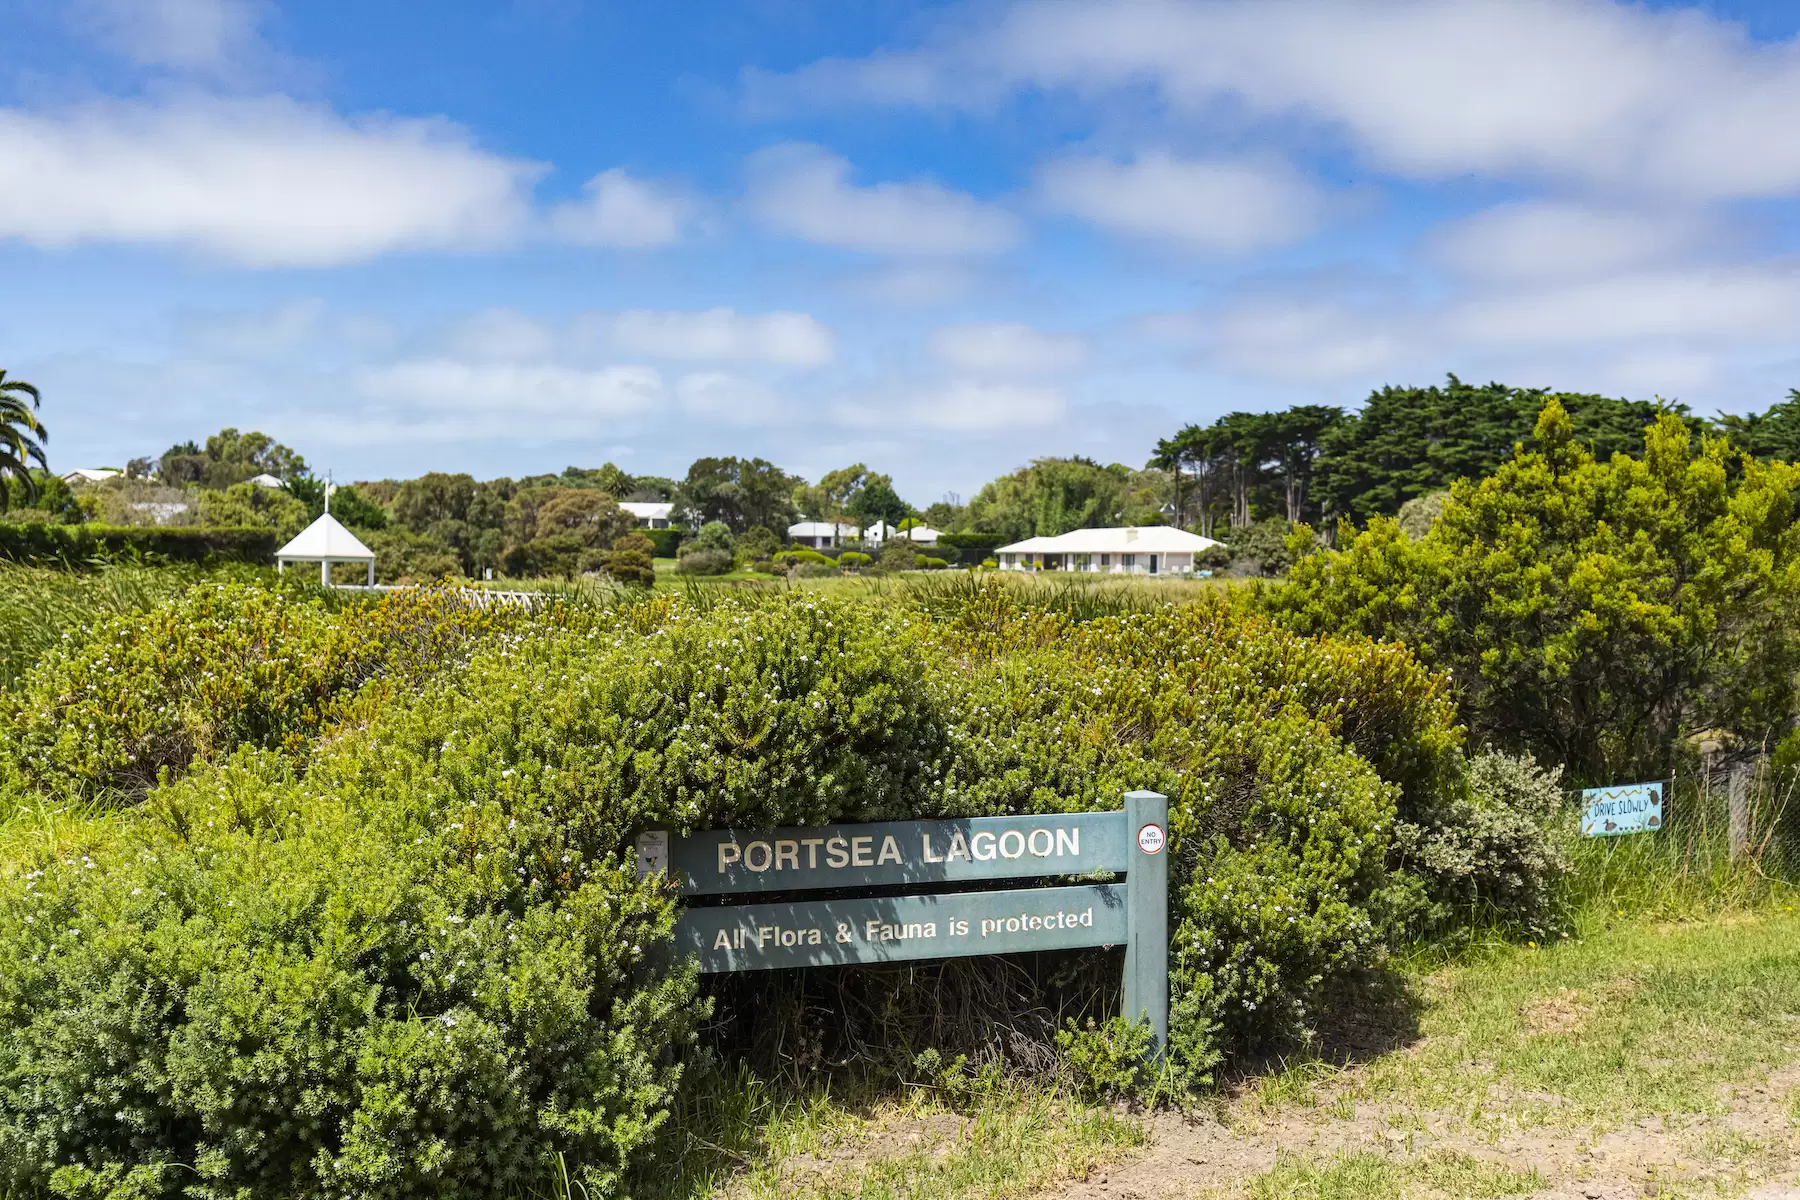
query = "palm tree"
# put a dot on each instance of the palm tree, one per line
(22, 437)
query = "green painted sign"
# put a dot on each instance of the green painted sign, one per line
(1132, 912)
(891, 853)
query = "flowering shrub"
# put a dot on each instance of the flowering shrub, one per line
(408, 957)
(224, 665)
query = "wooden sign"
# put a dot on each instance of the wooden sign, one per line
(899, 857)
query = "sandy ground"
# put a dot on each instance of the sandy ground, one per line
(1752, 1149)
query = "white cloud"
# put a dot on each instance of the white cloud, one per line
(1005, 350)
(1720, 306)
(513, 399)
(1302, 340)
(500, 334)
(805, 192)
(728, 399)
(184, 34)
(622, 211)
(265, 182)
(1607, 94)
(959, 406)
(916, 284)
(787, 338)
(1552, 240)
(1215, 205)
(262, 334)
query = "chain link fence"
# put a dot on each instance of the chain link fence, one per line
(1734, 811)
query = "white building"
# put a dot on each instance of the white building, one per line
(325, 541)
(878, 533)
(268, 481)
(820, 535)
(1134, 550)
(90, 474)
(649, 515)
(922, 535)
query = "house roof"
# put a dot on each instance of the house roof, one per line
(325, 538)
(266, 480)
(1132, 539)
(647, 510)
(822, 529)
(90, 474)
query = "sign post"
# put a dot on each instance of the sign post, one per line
(898, 859)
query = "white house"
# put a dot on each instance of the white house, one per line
(818, 535)
(922, 535)
(1133, 550)
(90, 474)
(649, 515)
(266, 480)
(326, 542)
(878, 533)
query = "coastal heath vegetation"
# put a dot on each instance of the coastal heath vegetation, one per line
(372, 926)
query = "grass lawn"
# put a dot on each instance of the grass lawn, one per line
(1644, 1056)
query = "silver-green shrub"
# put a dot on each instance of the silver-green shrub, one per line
(1489, 853)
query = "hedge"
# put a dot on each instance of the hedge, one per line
(75, 545)
(971, 548)
(665, 541)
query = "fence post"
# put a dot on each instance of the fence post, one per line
(1147, 899)
(1738, 794)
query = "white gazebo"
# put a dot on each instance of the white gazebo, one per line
(326, 542)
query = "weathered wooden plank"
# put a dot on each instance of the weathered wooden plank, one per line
(816, 933)
(885, 854)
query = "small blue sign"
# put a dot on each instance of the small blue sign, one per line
(1628, 808)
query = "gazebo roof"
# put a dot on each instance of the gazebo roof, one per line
(326, 539)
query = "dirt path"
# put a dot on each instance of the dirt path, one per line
(1750, 1150)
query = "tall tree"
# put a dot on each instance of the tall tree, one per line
(1774, 434)
(1298, 436)
(829, 499)
(22, 437)
(1409, 442)
(876, 500)
(741, 492)
(228, 457)
(1052, 496)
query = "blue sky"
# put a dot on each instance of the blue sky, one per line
(941, 239)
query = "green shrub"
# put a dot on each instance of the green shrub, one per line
(665, 543)
(259, 990)
(1490, 852)
(928, 563)
(426, 967)
(402, 556)
(799, 555)
(898, 555)
(855, 560)
(221, 666)
(1104, 1061)
(408, 958)
(1589, 611)
(697, 561)
(218, 667)
(1262, 548)
(630, 561)
(79, 545)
